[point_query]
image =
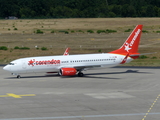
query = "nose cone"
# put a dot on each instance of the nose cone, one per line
(7, 68)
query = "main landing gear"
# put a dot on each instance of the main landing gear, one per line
(80, 74)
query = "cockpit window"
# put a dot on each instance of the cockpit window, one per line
(11, 63)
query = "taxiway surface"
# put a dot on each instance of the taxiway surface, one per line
(105, 94)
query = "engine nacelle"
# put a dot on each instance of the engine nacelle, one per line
(68, 71)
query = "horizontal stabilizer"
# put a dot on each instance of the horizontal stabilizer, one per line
(133, 55)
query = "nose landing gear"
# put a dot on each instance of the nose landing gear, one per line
(18, 76)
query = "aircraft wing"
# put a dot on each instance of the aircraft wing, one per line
(80, 68)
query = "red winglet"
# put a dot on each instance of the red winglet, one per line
(125, 59)
(66, 51)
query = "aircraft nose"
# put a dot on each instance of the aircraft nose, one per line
(7, 68)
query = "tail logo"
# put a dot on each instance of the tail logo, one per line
(128, 45)
(135, 37)
(127, 48)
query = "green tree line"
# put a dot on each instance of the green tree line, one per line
(79, 8)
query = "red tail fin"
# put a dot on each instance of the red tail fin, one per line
(130, 46)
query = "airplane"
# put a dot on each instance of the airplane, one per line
(71, 65)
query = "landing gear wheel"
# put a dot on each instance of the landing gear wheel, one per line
(80, 74)
(18, 76)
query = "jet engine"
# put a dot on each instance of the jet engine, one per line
(67, 71)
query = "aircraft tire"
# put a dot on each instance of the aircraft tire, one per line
(80, 74)
(18, 76)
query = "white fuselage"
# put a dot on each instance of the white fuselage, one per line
(55, 63)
